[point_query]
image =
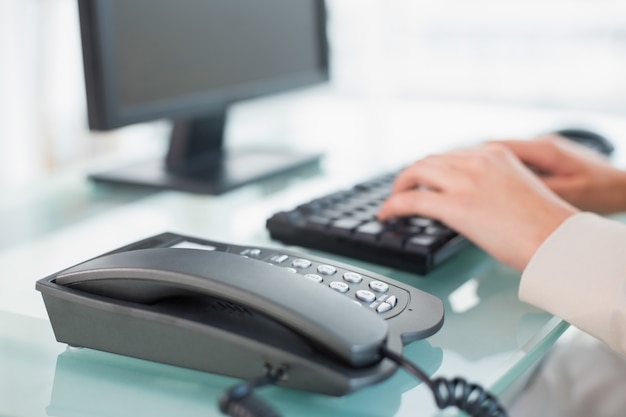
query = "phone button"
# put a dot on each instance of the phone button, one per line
(326, 269)
(365, 296)
(379, 286)
(279, 259)
(314, 277)
(339, 286)
(353, 277)
(383, 308)
(301, 263)
(392, 300)
(251, 252)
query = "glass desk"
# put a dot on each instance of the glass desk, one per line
(489, 336)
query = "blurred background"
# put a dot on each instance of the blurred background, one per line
(555, 54)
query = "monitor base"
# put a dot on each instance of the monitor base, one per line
(235, 170)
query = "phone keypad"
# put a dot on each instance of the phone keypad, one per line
(383, 298)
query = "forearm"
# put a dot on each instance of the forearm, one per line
(579, 274)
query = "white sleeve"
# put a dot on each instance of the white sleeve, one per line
(579, 275)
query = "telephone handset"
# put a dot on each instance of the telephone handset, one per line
(237, 310)
(145, 276)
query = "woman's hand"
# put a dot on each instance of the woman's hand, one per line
(484, 193)
(579, 175)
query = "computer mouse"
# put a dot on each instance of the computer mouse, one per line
(588, 138)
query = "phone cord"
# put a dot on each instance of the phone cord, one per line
(468, 397)
(239, 400)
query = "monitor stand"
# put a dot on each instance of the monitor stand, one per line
(197, 162)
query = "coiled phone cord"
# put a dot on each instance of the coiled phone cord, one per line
(470, 398)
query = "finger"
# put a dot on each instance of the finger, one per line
(411, 203)
(559, 185)
(542, 154)
(433, 172)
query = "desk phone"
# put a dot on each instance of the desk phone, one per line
(236, 310)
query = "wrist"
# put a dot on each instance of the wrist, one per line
(545, 226)
(619, 191)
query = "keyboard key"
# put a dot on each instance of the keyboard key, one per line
(392, 239)
(331, 213)
(287, 218)
(345, 226)
(421, 221)
(422, 244)
(364, 215)
(369, 232)
(439, 230)
(317, 222)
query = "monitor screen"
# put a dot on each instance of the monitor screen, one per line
(187, 61)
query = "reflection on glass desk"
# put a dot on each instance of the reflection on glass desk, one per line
(86, 381)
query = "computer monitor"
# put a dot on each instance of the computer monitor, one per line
(187, 61)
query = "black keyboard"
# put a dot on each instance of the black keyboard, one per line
(344, 223)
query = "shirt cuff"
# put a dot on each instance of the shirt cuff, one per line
(579, 275)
